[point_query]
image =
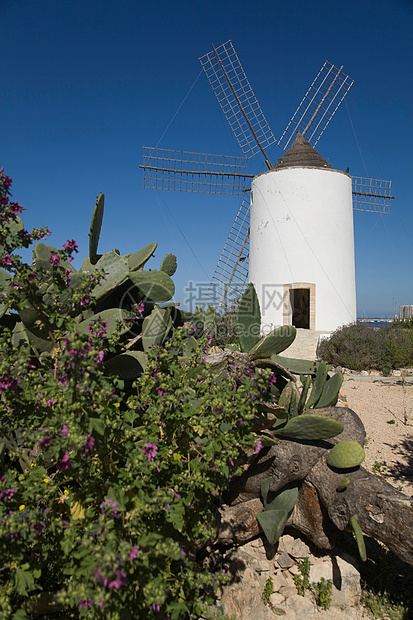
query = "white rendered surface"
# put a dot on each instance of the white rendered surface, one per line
(302, 231)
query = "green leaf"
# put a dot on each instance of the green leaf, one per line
(249, 319)
(96, 424)
(23, 581)
(272, 523)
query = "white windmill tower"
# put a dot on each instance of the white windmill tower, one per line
(295, 233)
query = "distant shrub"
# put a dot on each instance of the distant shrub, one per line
(226, 329)
(362, 347)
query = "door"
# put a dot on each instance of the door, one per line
(300, 307)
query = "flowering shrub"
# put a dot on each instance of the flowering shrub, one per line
(107, 488)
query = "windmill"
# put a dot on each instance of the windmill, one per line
(200, 172)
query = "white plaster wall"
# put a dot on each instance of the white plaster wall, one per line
(302, 231)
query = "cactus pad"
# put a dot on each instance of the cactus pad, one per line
(346, 454)
(138, 259)
(329, 395)
(95, 226)
(169, 264)
(272, 523)
(308, 426)
(249, 319)
(275, 342)
(155, 285)
(358, 534)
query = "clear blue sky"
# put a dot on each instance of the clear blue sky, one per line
(87, 83)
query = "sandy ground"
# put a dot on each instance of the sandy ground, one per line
(386, 411)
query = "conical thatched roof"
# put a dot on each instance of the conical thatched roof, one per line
(302, 154)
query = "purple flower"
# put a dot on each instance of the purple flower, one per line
(45, 442)
(7, 382)
(119, 581)
(88, 445)
(70, 246)
(7, 261)
(133, 552)
(54, 259)
(64, 462)
(65, 431)
(100, 357)
(258, 445)
(150, 451)
(85, 603)
(85, 300)
(112, 503)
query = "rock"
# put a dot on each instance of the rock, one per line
(346, 580)
(396, 373)
(295, 548)
(321, 569)
(364, 373)
(244, 599)
(288, 591)
(276, 599)
(282, 579)
(284, 560)
(301, 606)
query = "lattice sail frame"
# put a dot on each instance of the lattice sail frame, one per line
(186, 171)
(318, 106)
(194, 172)
(231, 273)
(372, 195)
(236, 98)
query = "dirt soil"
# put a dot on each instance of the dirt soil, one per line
(386, 410)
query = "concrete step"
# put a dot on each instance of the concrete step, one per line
(304, 346)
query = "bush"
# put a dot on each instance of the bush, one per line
(362, 347)
(226, 329)
(108, 487)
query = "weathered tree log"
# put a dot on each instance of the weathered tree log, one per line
(382, 512)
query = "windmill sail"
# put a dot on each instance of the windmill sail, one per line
(231, 273)
(372, 195)
(237, 100)
(318, 106)
(193, 172)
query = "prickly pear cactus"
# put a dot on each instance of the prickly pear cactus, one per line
(249, 319)
(95, 228)
(307, 426)
(169, 264)
(345, 455)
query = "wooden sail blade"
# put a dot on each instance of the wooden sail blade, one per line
(372, 195)
(237, 100)
(318, 106)
(230, 277)
(193, 172)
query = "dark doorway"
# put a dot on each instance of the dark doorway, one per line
(300, 306)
